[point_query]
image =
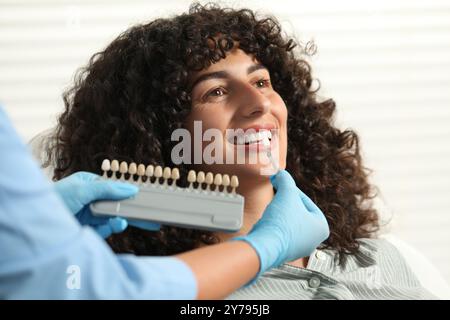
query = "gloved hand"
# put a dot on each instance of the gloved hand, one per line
(81, 188)
(292, 226)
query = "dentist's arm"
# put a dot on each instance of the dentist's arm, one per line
(47, 254)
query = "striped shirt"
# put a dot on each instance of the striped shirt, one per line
(376, 271)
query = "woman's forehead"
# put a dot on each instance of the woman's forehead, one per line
(235, 61)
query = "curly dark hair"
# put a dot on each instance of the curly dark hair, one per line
(131, 96)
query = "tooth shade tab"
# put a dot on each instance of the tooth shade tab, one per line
(132, 169)
(234, 183)
(200, 177)
(225, 182)
(158, 172)
(175, 176)
(209, 179)
(167, 173)
(217, 181)
(191, 178)
(141, 170)
(114, 168)
(106, 166)
(149, 173)
(123, 169)
(115, 165)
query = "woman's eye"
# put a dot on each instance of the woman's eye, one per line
(216, 92)
(262, 83)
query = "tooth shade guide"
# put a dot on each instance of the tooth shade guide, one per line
(163, 202)
(166, 177)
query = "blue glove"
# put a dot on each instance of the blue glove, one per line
(292, 226)
(80, 189)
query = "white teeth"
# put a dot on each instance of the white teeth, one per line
(254, 137)
(257, 137)
(266, 142)
(250, 138)
(264, 135)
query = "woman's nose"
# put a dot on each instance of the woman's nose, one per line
(253, 102)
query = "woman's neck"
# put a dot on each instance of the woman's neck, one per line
(258, 195)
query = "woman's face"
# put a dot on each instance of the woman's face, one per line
(236, 93)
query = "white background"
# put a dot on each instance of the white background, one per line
(386, 64)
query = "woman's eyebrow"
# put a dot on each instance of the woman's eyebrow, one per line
(211, 75)
(224, 74)
(255, 67)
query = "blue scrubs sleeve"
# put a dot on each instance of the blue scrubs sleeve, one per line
(46, 254)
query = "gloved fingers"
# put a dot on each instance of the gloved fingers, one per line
(283, 181)
(108, 190)
(85, 217)
(86, 176)
(113, 225)
(322, 226)
(309, 204)
(146, 225)
(118, 224)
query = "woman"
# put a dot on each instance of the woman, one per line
(232, 70)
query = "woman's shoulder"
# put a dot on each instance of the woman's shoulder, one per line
(378, 248)
(384, 254)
